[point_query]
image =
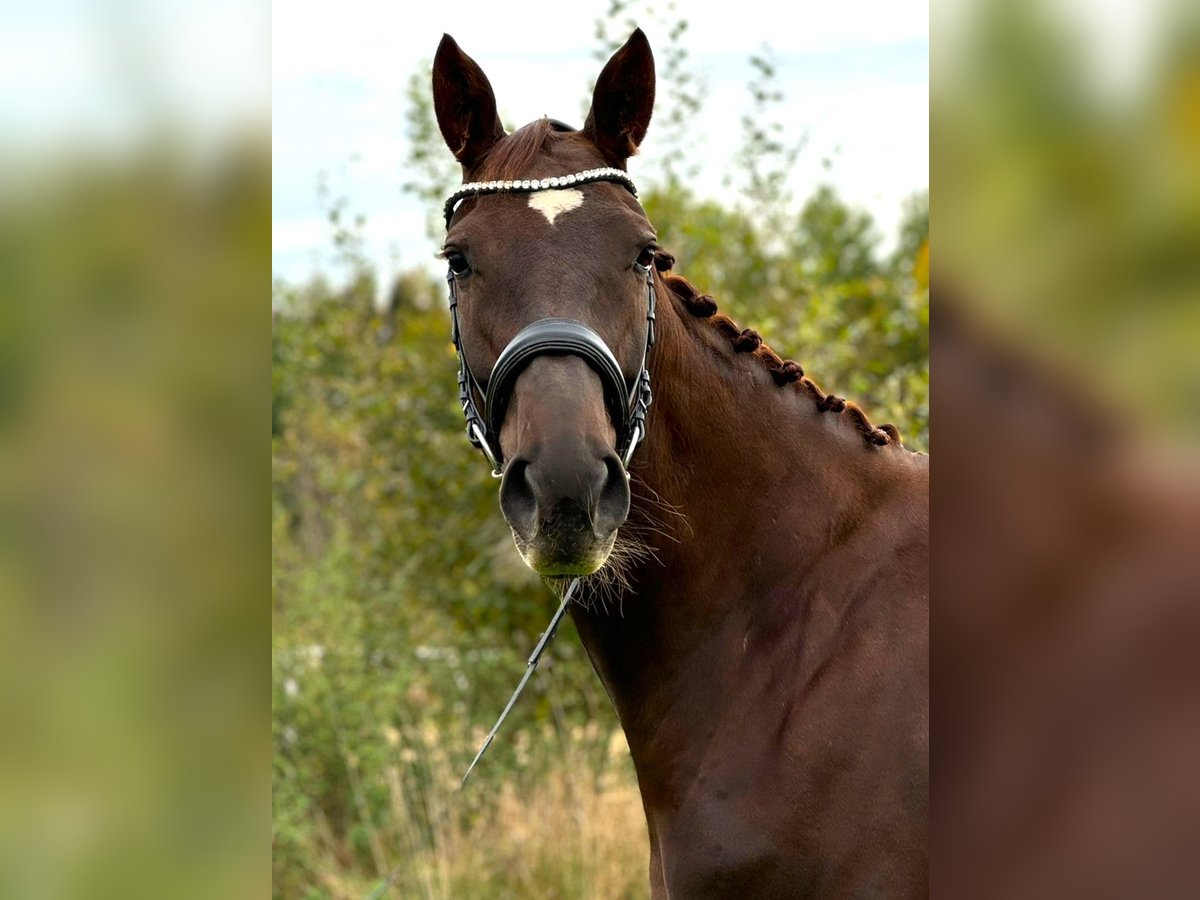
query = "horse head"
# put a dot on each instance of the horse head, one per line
(552, 287)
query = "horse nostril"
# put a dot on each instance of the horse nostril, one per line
(561, 500)
(518, 501)
(612, 507)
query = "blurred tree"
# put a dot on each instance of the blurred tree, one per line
(430, 172)
(913, 234)
(764, 160)
(833, 243)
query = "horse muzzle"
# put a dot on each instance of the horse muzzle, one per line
(565, 493)
(564, 506)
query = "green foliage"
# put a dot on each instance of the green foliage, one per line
(764, 160)
(1074, 201)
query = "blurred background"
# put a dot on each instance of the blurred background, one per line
(787, 171)
(134, 396)
(1066, 501)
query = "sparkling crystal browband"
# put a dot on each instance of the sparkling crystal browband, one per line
(481, 188)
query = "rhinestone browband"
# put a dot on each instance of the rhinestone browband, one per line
(481, 188)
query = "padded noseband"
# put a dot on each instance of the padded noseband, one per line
(556, 337)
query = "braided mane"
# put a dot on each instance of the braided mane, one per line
(784, 371)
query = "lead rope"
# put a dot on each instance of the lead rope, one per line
(534, 658)
(387, 881)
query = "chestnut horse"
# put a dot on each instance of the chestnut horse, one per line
(766, 545)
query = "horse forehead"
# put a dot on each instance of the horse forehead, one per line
(553, 203)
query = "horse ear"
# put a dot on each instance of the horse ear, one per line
(623, 101)
(464, 103)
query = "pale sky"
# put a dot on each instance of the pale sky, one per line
(854, 74)
(104, 77)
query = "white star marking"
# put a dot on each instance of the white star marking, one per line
(554, 203)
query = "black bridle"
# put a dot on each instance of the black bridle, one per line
(626, 403)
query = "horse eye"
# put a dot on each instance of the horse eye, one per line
(646, 257)
(458, 262)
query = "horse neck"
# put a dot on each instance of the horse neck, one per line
(734, 460)
(740, 484)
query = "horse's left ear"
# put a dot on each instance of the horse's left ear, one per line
(623, 101)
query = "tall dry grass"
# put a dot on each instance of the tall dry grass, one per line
(567, 824)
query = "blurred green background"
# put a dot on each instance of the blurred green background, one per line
(1066, 156)
(402, 613)
(1066, 496)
